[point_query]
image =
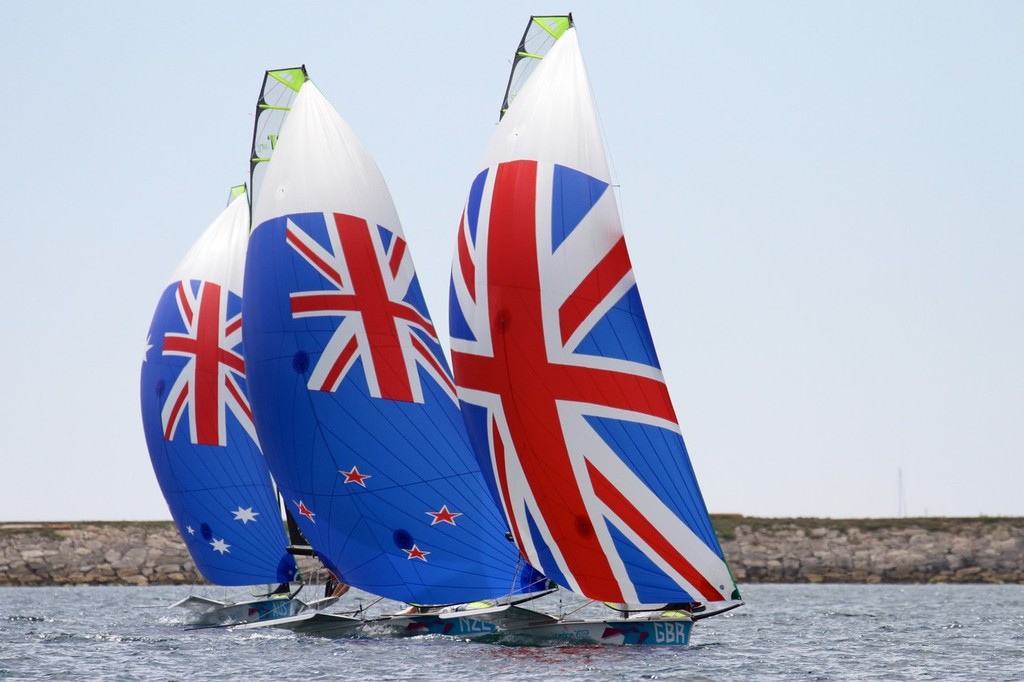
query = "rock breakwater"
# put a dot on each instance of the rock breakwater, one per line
(759, 550)
(905, 550)
(83, 553)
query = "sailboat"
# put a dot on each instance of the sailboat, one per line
(198, 422)
(200, 433)
(561, 388)
(352, 397)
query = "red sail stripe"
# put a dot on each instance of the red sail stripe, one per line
(312, 257)
(594, 289)
(635, 519)
(396, 256)
(466, 264)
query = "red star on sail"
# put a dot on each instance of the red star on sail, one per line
(354, 476)
(416, 553)
(444, 516)
(304, 510)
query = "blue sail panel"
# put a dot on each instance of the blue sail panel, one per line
(573, 194)
(201, 439)
(622, 333)
(478, 422)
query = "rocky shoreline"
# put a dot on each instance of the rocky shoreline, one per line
(759, 550)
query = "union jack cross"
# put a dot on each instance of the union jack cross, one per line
(210, 383)
(369, 276)
(541, 267)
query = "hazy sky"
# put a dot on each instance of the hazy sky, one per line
(824, 203)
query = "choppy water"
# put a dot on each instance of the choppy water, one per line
(785, 632)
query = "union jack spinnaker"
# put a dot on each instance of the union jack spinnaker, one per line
(353, 400)
(561, 388)
(196, 416)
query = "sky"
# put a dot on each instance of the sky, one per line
(824, 205)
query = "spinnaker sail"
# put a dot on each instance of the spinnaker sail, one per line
(560, 384)
(352, 397)
(198, 424)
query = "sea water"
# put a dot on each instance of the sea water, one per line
(784, 632)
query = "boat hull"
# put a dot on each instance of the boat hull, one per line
(333, 625)
(213, 612)
(631, 632)
(431, 624)
(518, 625)
(316, 624)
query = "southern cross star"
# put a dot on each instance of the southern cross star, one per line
(245, 515)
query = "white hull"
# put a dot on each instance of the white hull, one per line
(414, 625)
(332, 625)
(516, 625)
(315, 623)
(214, 612)
(630, 632)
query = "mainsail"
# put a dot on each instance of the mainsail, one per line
(196, 415)
(276, 94)
(541, 33)
(560, 384)
(352, 396)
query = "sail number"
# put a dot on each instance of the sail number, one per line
(469, 625)
(670, 633)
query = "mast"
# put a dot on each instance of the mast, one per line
(901, 499)
(277, 92)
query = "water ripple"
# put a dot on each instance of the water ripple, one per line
(785, 632)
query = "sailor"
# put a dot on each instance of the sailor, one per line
(334, 587)
(414, 608)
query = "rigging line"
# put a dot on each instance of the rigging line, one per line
(364, 608)
(515, 577)
(579, 608)
(212, 627)
(698, 616)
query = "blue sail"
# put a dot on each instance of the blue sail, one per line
(197, 420)
(353, 399)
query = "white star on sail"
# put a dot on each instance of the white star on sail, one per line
(220, 546)
(245, 515)
(191, 530)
